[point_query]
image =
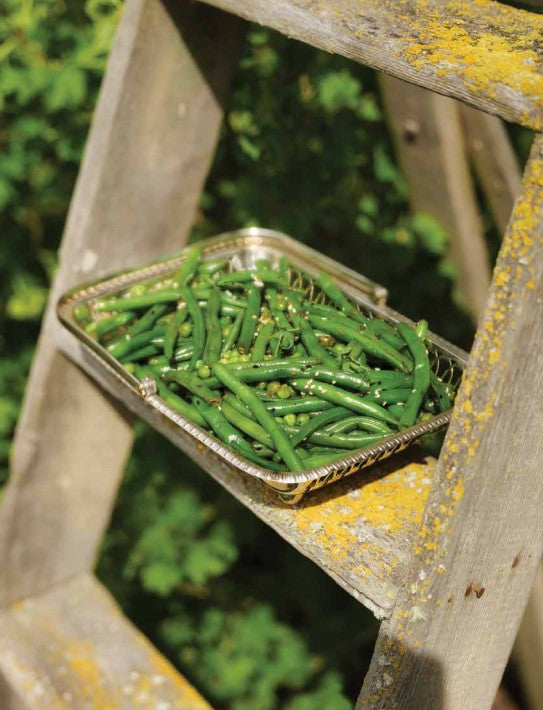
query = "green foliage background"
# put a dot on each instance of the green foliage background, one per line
(304, 149)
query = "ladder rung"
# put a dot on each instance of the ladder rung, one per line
(484, 53)
(72, 647)
(360, 530)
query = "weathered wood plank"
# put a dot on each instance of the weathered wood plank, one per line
(484, 53)
(429, 140)
(479, 547)
(495, 163)
(72, 647)
(148, 153)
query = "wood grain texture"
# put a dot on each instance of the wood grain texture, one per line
(484, 53)
(495, 163)
(429, 141)
(149, 149)
(72, 647)
(358, 530)
(481, 541)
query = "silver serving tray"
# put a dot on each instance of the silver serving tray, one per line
(243, 248)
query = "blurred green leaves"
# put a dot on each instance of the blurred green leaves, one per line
(52, 56)
(182, 544)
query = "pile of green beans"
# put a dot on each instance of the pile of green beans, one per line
(286, 383)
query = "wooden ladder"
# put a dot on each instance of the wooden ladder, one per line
(443, 552)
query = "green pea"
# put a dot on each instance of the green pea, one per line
(284, 392)
(302, 418)
(290, 419)
(273, 388)
(137, 290)
(185, 330)
(204, 372)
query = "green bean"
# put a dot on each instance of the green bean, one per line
(372, 346)
(233, 332)
(199, 329)
(318, 460)
(336, 296)
(282, 268)
(266, 370)
(316, 449)
(126, 344)
(172, 330)
(220, 426)
(276, 311)
(174, 401)
(260, 460)
(396, 409)
(261, 342)
(375, 326)
(82, 314)
(421, 374)
(307, 336)
(107, 325)
(340, 441)
(368, 424)
(382, 329)
(250, 319)
(189, 266)
(214, 334)
(334, 376)
(317, 422)
(136, 303)
(192, 384)
(389, 378)
(202, 293)
(265, 419)
(361, 405)
(421, 329)
(232, 311)
(211, 267)
(183, 353)
(297, 405)
(391, 396)
(140, 354)
(257, 277)
(147, 321)
(247, 425)
(444, 392)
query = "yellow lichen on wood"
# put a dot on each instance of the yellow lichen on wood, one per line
(393, 504)
(450, 40)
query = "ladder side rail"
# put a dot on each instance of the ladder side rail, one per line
(149, 150)
(495, 163)
(478, 550)
(431, 149)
